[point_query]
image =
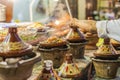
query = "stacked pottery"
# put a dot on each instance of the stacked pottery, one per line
(76, 40)
(48, 73)
(106, 60)
(17, 58)
(69, 69)
(54, 48)
(91, 35)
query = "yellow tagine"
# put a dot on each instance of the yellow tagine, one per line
(69, 69)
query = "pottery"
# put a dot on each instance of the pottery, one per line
(54, 54)
(19, 70)
(106, 51)
(92, 40)
(76, 40)
(13, 46)
(48, 73)
(68, 69)
(106, 68)
(77, 49)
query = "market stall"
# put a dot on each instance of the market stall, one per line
(46, 42)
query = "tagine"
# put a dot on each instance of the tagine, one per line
(48, 73)
(69, 69)
(13, 46)
(106, 51)
(53, 42)
(75, 35)
(16, 57)
(37, 25)
(54, 48)
(76, 40)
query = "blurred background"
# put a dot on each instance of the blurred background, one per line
(45, 10)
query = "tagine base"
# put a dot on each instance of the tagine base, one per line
(55, 54)
(21, 70)
(78, 49)
(99, 78)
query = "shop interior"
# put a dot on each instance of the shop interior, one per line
(57, 40)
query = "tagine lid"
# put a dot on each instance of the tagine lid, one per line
(68, 69)
(75, 35)
(48, 73)
(106, 50)
(13, 46)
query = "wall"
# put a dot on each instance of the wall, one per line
(81, 9)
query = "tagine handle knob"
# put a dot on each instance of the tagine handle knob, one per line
(69, 58)
(107, 41)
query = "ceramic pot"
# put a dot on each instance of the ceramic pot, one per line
(48, 73)
(77, 49)
(68, 69)
(54, 54)
(106, 68)
(20, 70)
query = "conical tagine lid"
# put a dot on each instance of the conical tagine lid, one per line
(69, 69)
(75, 35)
(13, 46)
(106, 50)
(48, 73)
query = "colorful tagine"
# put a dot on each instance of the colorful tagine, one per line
(53, 42)
(75, 35)
(69, 69)
(13, 46)
(48, 73)
(106, 51)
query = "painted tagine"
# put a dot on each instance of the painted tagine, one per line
(48, 73)
(68, 69)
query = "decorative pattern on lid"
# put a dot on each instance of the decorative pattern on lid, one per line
(48, 73)
(69, 69)
(13, 46)
(106, 50)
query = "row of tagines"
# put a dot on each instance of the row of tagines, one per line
(35, 32)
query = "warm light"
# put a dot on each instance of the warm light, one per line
(11, 0)
(57, 22)
(56, 0)
(89, 5)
